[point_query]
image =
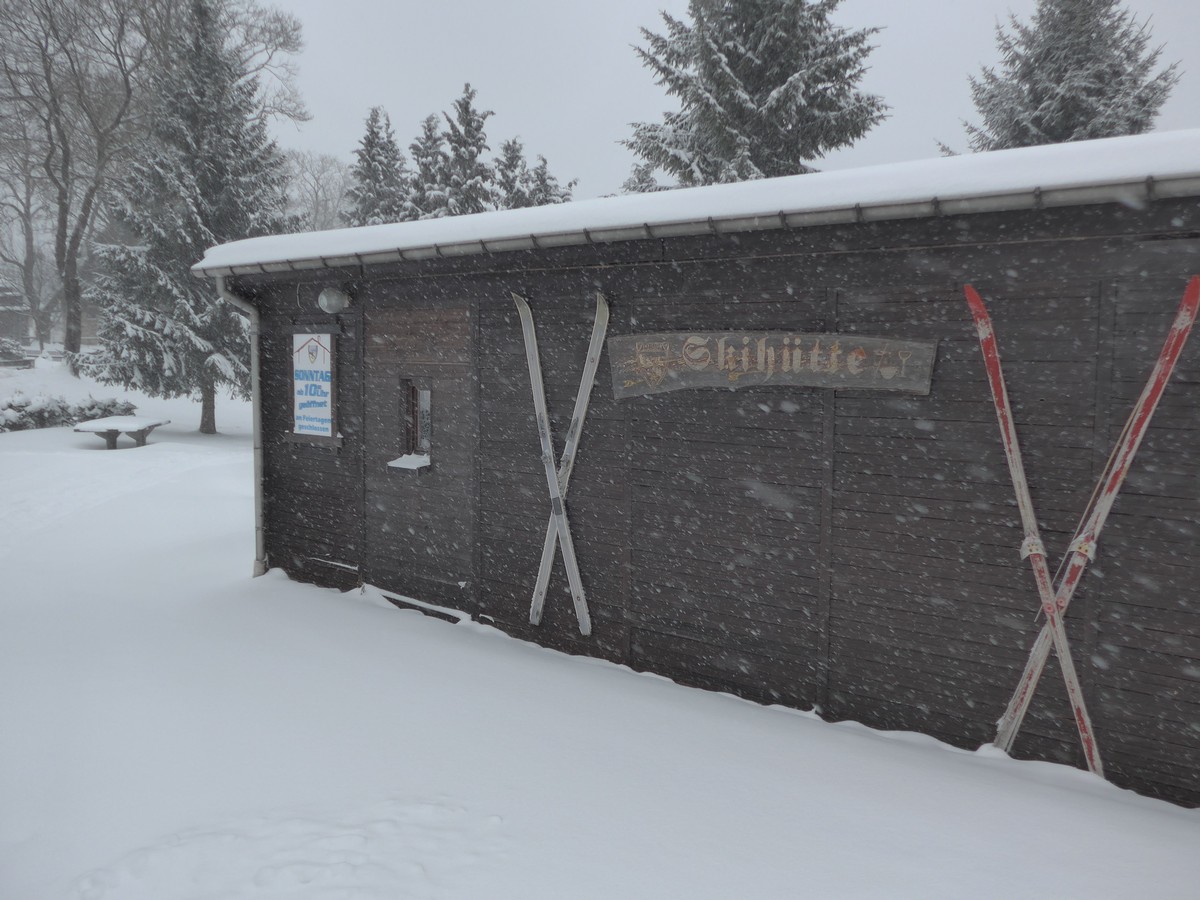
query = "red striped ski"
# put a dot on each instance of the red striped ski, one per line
(1082, 548)
(1032, 547)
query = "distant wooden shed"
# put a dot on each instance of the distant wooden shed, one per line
(845, 547)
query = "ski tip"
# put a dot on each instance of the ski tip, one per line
(973, 298)
(978, 313)
(983, 322)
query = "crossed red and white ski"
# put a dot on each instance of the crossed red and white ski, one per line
(1083, 544)
(1032, 547)
(1082, 547)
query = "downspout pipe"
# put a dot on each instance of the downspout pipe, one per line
(251, 312)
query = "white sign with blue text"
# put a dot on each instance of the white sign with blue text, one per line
(312, 379)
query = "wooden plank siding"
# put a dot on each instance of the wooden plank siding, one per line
(313, 493)
(852, 552)
(421, 524)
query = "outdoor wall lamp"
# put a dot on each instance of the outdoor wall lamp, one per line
(332, 300)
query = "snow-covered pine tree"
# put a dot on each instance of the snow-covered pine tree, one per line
(641, 180)
(208, 173)
(469, 176)
(427, 193)
(764, 86)
(512, 176)
(380, 177)
(1080, 69)
(517, 186)
(543, 188)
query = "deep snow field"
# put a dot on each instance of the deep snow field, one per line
(172, 729)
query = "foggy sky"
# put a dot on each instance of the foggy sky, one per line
(564, 78)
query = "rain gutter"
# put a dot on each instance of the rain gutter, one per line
(1129, 193)
(251, 312)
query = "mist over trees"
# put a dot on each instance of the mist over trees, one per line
(73, 74)
(765, 88)
(206, 173)
(133, 136)
(318, 190)
(1080, 69)
(77, 78)
(28, 265)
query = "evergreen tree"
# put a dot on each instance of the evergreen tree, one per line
(544, 189)
(517, 186)
(1081, 69)
(380, 179)
(641, 180)
(208, 173)
(764, 87)
(469, 177)
(451, 177)
(428, 193)
(512, 176)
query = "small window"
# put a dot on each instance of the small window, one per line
(416, 414)
(420, 419)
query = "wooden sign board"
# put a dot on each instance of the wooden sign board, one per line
(656, 363)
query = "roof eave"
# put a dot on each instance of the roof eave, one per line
(1129, 193)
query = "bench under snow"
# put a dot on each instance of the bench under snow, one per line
(137, 427)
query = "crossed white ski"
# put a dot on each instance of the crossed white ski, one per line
(1082, 548)
(558, 530)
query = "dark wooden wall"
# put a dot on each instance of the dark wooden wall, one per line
(314, 491)
(849, 551)
(421, 523)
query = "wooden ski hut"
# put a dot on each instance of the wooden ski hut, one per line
(790, 482)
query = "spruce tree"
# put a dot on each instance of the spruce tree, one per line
(764, 86)
(469, 177)
(428, 193)
(451, 177)
(641, 180)
(512, 176)
(380, 179)
(517, 186)
(208, 173)
(544, 189)
(1081, 69)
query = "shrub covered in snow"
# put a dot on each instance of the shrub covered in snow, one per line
(21, 412)
(10, 349)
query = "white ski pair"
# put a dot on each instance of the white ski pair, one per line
(558, 528)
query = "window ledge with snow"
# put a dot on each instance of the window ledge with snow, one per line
(410, 461)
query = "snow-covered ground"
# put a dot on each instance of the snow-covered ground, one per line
(171, 729)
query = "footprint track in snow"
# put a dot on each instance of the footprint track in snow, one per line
(396, 848)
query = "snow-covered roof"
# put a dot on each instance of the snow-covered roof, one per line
(1114, 170)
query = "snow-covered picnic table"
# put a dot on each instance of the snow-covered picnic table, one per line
(137, 427)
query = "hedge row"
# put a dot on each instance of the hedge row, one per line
(20, 412)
